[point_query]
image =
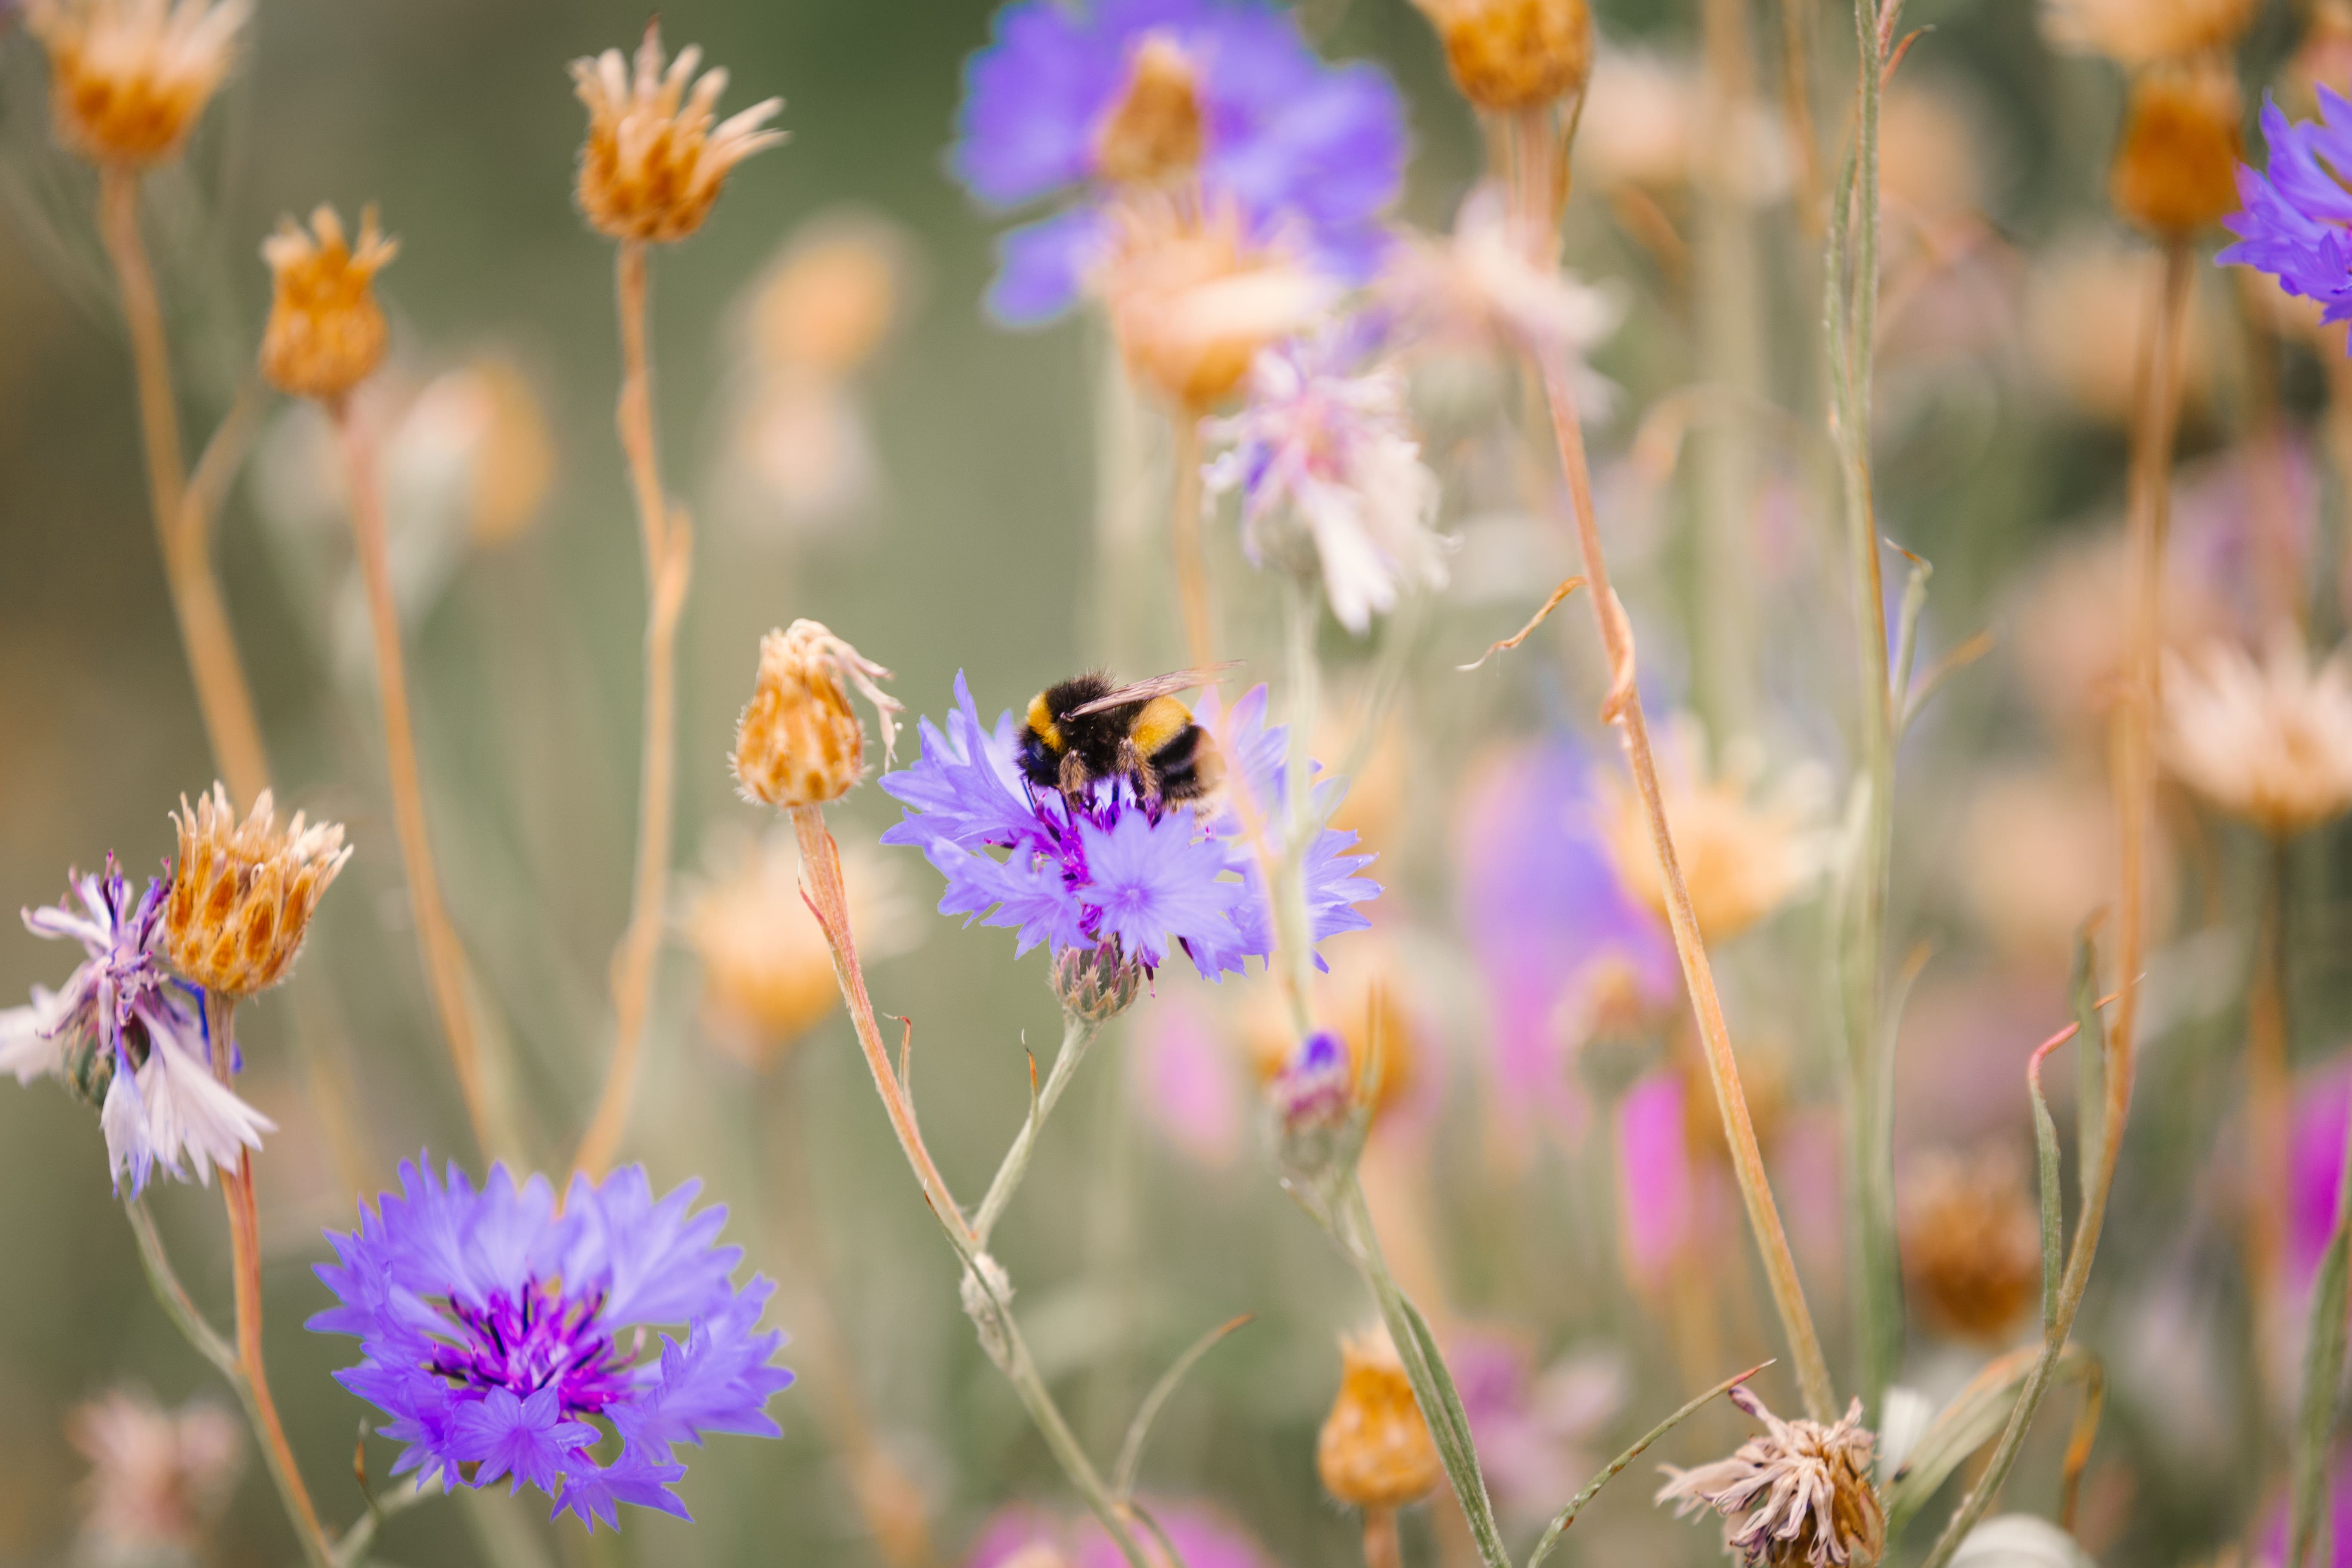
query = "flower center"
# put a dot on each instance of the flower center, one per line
(526, 1342)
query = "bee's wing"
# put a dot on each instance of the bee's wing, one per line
(1167, 685)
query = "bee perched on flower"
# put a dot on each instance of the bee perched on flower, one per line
(653, 163)
(1220, 103)
(130, 1037)
(496, 1331)
(1106, 862)
(129, 78)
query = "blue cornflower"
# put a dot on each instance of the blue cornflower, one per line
(505, 1340)
(1224, 94)
(1142, 875)
(128, 1035)
(2294, 226)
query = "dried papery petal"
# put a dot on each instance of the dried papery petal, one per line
(798, 742)
(654, 162)
(2269, 742)
(243, 893)
(1802, 1493)
(326, 332)
(129, 78)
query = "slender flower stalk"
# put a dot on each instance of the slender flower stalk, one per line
(443, 956)
(252, 1376)
(1079, 1036)
(2269, 1098)
(182, 511)
(1625, 709)
(1185, 533)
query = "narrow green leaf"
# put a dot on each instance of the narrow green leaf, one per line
(1559, 1526)
(2053, 1216)
(1974, 1418)
(1130, 1453)
(1450, 1425)
(2323, 1371)
(2089, 1057)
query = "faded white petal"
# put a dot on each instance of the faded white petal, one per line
(191, 1113)
(33, 1039)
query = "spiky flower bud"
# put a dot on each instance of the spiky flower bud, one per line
(1096, 984)
(2175, 169)
(1375, 1450)
(129, 78)
(1514, 53)
(326, 332)
(1152, 133)
(653, 163)
(242, 894)
(798, 743)
(1313, 1101)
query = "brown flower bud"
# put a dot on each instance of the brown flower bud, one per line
(1375, 1450)
(1971, 1242)
(1515, 54)
(326, 332)
(129, 78)
(798, 743)
(242, 894)
(2176, 170)
(653, 163)
(1152, 132)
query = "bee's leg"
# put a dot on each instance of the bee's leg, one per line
(1075, 777)
(1137, 766)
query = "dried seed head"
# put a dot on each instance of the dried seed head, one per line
(2147, 32)
(1971, 1241)
(653, 163)
(2270, 743)
(1151, 133)
(2175, 169)
(798, 743)
(326, 332)
(1375, 1450)
(1802, 1493)
(129, 78)
(158, 1478)
(242, 893)
(1514, 53)
(1192, 298)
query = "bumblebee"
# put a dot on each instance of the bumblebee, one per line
(1087, 729)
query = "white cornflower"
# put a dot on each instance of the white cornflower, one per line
(2268, 743)
(1331, 482)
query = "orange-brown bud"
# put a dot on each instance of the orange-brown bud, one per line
(1152, 132)
(128, 80)
(1375, 1450)
(242, 894)
(654, 162)
(1515, 54)
(798, 742)
(2176, 170)
(326, 332)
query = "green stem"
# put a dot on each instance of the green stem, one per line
(1077, 1037)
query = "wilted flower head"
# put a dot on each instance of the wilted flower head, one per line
(797, 743)
(1514, 53)
(767, 971)
(1150, 876)
(2296, 213)
(326, 332)
(2176, 168)
(1802, 1493)
(243, 893)
(1193, 299)
(158, 1478)
(129, 78)
(2269, 742)
(1740, 857)
(494, 1330)
(130, 1038)
(1375, 1450)
(653, 163)
(1331, 482)
(1220, 100)
(2145, 32)
(1971, 1241)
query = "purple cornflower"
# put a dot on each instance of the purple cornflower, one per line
(2294, 224)
(1146, 876)
(1244, 108)
(498, 1333)
(129, 1037)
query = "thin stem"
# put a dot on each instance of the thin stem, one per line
(444, 956)
(223, 694)
(1382, 1547)
(352, 1548)
(1077, 1037)
(2269, 1096)
(1797, 110)
(165, 1282)
(2135, 785)
(1294, 927)
(1625, 708)
(822, 886)
(668, 554)
(1184, 536)
(252, 1378)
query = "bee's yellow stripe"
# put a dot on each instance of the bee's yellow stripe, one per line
(1042, 720)
(1162, 720)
